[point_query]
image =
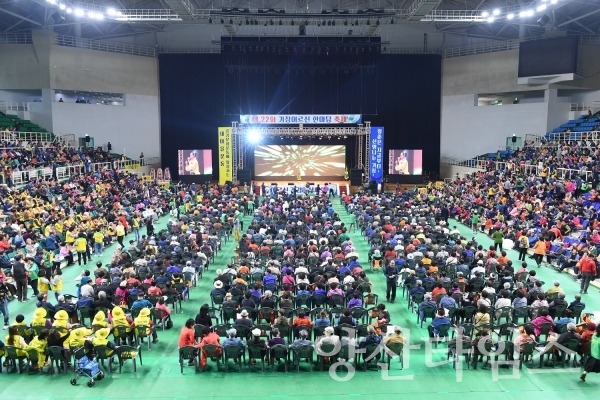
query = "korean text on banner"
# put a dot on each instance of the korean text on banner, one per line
(225, 155)
(376, 154)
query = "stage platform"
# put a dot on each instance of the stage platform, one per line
(338, 186)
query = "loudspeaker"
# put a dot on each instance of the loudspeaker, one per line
(244, 176)
(544, 19)
(58, 18)
(87, 139)
(514, 139)
(355, 177)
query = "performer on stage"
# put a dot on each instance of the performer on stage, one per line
(401, 165)
(191, 164)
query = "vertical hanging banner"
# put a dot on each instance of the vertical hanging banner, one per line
(376, 156)
(225, 154)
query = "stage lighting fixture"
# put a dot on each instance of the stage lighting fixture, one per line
(247, 21)
(292, 22)
(333, 23)
(542, 7)
(253, 135)
(378, 21)
(368, 22)
(392, 21)
(280, 22)
(510, 16)
(497, 11)
(553, 1)
(346, 22)
(230, 21)
(209, 20)
(222, 21)
(485, 14)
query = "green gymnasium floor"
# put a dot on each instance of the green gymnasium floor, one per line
(160, 377)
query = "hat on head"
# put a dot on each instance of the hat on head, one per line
(61, 299)
(218, 284)
(591, 326)
(188, 263)
(480, 262)
(145, 312)
(255, 332)
(123, 284)
(244, 313)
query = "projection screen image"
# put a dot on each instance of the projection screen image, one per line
(294, 160)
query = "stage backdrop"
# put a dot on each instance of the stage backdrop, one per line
(201, 92)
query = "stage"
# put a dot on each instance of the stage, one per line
(337, 186)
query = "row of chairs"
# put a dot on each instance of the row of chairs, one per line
(286, 354)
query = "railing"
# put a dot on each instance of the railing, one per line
(589, 39)
(34, 137)
(112, 47)
(20, 178)
(16, 38)
(189, 49)
(594, 106)
(150, 161)
(411, 50)
(13, 105)
(528, 169)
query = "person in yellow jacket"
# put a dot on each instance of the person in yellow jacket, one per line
(56, 283)
(118, 318)
(120, 233)
(70, 236)
(61, 319)
(143, 319)
(39, 318)
(14, 339)
(100, 339)
(77, 337)
(136, 227)
(39, 344)
(99, 321)
(81, 248)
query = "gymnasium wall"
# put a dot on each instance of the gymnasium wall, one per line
(44, 67)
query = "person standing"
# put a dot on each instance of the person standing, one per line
(498, 237)
(98, 242)
(81, 248)
(474, 222)
(136, 227)
(592, 362)
(4, 297)
(587, 267)
(539, 251)
(33, 270)
(391, 274)
(19, 273)
(523, 246)
(120, 233)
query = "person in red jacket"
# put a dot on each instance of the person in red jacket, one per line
(587, 267)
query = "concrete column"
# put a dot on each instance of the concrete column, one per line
(558, 111)
(77, 30)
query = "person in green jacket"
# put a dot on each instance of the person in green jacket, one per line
(474, 221)
(592, 362)
(33, 275)
(498, 237)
